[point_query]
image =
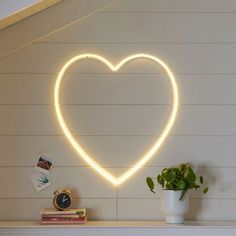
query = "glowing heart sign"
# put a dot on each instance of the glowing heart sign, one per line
(153, 150)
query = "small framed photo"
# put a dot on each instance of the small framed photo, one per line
(40, 181)
(44, 164)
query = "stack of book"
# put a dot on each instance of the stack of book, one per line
(72, 216)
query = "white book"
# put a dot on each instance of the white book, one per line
(49, 211)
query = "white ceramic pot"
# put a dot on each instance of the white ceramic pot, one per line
(174, 209)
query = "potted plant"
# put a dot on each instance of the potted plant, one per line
(176, 183)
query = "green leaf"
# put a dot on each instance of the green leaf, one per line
(194, 185)
(169, 186)
(191, 177)
(164, 170)
(201, 179)
(182, 167)
(170, 175)
(180, 185)
(182, 195)
(205, 190)
(150, 184)
(161, 180)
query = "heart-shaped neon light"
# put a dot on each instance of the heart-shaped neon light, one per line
(150, 153)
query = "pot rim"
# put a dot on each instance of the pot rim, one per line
(173, 190)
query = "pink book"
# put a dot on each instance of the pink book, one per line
(52, 219)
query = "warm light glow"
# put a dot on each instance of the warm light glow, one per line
(150, 153)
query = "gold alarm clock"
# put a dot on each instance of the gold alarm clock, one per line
(62, 199)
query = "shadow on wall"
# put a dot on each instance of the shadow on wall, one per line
(78, 203)
(198, 200)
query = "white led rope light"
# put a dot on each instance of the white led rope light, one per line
(150, 153)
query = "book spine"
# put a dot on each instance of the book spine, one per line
(62, 222)
(60, 219)
(69, 212)
(63, 216)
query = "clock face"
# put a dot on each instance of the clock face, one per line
(63, 200)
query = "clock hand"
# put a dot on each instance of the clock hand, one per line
(64, 199)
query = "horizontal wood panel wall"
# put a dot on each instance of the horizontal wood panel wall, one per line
(118, 116)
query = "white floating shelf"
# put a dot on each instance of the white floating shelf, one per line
(115, 228)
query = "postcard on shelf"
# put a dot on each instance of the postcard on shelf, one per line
(40, 181)
(44, 164)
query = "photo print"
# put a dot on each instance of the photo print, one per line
(44, 164)
(40, 181)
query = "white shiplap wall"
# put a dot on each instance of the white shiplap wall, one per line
(116, 117)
